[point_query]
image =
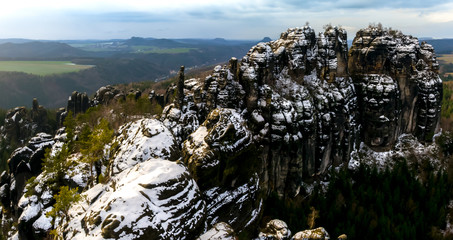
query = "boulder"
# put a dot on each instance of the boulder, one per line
(275, 230)
(220, 231)
(312, 234)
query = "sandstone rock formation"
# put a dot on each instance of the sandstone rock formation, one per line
(78, 103)
(278, 230)
(301, 106)
(277, 119)
(140, 141)
(155, 199)
(298, 98)
(21, 124)
(32, 207)
(398, 85)
(24, 163)
(107, 94)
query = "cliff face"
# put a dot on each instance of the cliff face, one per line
(298, 102)
(397, 81)
(300, 88)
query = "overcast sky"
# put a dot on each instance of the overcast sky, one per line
(232, 19)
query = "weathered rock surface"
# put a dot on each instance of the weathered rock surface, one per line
(289, 110)
(24, 163)
(220, 231)
(142, 140)
(398, 86)
(213, 151)
(107, 94)
(296, 96)
(220, 158)
(78, 103)
(155, 199)
(312, 234)
(21, 124)
(33, 206)
(239, 205)
(275, 230)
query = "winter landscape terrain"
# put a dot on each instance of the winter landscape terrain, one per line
(302, 137)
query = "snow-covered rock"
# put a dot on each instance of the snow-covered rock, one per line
(297, 102)
(142, 140)
(155, 199)
(397, 78)
(239, 206)
(215, 146)
(219, 157)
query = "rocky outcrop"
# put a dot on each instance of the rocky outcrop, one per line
(220, 231)
(214, 151)
(24, 163)
(21, 124)
(297, 98)
(298, 105)
(78, 103)
(299, 86)
(275, 230)
(107, 94)
(398, 85)
(158, 98)
(140, 141)
(312, 234)
(155, 199)
(37, 198)
(278, 230)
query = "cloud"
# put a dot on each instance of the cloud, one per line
(252, 19)
(441, 14)
(328, 5)
(131, 17)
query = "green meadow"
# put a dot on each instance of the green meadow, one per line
(41, 68)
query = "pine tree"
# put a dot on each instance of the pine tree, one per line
(94, 148)
(69, 124)
(64, 200)
(56, 165)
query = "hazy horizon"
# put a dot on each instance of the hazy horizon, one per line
(234, 19)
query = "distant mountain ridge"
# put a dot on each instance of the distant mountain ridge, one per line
(442, 46)
(39, 50)
(26, 49)
(116, 61)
